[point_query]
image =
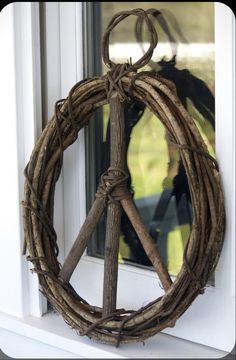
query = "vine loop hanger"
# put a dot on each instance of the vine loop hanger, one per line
(108, 324)
(114, 22)
(117, 71)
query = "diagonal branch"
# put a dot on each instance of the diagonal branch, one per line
(147, 241)
(82, 239)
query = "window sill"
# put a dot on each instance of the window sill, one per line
(51, 330)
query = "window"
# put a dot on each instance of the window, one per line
(184, 55)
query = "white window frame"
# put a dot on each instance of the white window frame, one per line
(212, 314)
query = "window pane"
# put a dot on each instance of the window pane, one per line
(184, 55)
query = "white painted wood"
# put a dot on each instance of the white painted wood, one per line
(51, 53)
(74, 163)
(225, 134)
(9, 191)
(21, 111)
(81, 181)
(29, 116)
(27, 348)
(63, 68)
(62, 41)
(52, 330)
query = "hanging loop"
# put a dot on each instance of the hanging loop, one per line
(113, 23)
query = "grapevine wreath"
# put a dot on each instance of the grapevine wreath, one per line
(123, 84)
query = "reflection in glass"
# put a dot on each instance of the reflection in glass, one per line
(185, 56)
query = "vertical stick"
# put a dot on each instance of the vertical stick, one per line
(117, 131)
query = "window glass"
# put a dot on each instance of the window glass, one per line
(184, 55)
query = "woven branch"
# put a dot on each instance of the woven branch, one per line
(205, 241)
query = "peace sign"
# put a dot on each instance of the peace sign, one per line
(113, 183)
(120, 85)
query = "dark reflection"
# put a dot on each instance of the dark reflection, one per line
(190, 87)
(172, 207)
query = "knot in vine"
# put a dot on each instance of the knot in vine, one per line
(114, 80)
(113, 185)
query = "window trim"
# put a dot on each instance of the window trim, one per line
(22, 94)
